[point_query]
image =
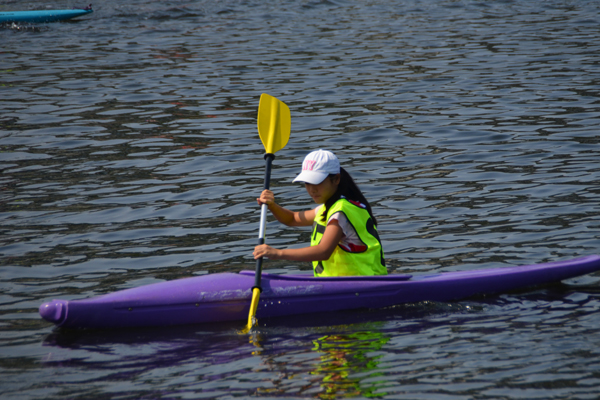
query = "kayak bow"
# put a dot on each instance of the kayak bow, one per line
(226, 296)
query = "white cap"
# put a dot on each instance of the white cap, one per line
(317, 166)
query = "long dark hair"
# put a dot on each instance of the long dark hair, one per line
(349, 189)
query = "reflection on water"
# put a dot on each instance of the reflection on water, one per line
(346, 360)
(129, 155)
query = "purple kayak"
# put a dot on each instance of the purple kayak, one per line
(226, 296)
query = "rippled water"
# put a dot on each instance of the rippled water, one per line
(129, 155)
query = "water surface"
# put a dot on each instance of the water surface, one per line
(129, 155)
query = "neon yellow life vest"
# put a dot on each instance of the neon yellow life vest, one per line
(343, 262)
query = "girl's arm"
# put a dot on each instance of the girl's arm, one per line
(283, 215)
(322, 251)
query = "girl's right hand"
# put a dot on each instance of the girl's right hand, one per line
(266, 197)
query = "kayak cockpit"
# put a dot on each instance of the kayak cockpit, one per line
(310, 278)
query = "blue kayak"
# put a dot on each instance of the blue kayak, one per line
(226, 296)
(43, 15)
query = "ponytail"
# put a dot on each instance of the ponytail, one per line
(349, 189)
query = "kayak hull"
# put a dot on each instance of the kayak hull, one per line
(226, 296)
(41, 16)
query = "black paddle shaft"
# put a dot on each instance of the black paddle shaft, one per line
(261, 240)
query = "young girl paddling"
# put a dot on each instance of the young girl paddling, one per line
(344, 241)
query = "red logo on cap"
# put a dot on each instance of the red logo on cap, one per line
(308, 165)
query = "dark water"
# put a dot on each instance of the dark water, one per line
(129, 155)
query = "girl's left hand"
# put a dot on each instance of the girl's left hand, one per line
(263, 250)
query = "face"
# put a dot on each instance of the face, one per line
(323, 191)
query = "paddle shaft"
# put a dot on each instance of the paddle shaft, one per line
(263, 220)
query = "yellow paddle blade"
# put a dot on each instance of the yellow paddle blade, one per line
(274, 123)
(252, 321)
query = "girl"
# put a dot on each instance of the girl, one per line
(344, 241)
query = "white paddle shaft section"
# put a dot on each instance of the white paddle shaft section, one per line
(263, 222)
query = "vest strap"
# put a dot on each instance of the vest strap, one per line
(319, 230)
